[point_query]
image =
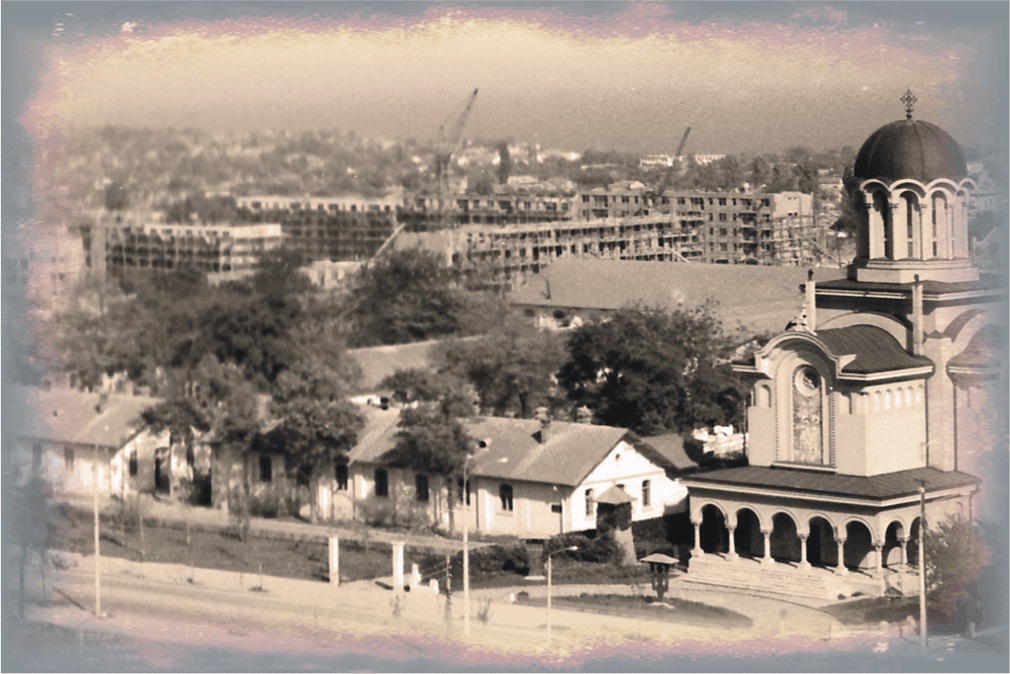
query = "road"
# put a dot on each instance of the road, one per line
(221, 622)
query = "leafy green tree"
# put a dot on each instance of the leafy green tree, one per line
(652, 371)
(432, 436)
(504, 163)
(411, 296)
(512, 369)
(956, 554)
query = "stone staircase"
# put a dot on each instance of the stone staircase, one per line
(781, 579)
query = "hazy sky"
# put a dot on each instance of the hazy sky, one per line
(632, 76)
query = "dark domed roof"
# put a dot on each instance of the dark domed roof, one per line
(910, 149)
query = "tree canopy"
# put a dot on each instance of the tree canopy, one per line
(653, 371)
(412, 296)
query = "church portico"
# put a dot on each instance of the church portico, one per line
(855, 522)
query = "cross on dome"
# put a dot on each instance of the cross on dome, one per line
(909, 100)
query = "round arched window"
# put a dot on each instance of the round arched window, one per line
(807, 381)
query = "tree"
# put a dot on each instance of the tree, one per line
(652, 371)
(432, 437)
(512, 369)
(411, 296)
(955, 555)
(504, 163)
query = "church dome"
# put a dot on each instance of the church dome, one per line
(910, 149)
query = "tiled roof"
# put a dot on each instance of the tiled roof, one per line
(378, 362)
(66, 415)
(614, 495)
(875, 487)
(377, 436)
(929, 288)
(875, 350)
(514, 451)
(671, 446)
(758, 299)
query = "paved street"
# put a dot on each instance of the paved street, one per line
(172, 623)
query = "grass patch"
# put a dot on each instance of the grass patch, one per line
(669, 610)
(302, 560)
(873, 610)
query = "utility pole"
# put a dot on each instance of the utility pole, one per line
(922, 568)
(98, 556)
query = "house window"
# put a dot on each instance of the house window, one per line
(381, 483)
(646, 493)
(505, 494)
(134, 464)
(590, 503)
(421, 487)
(459, 486)
(266, 468)
(68, 458)
(190, 457)
(341, 476)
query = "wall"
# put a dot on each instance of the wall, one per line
(895, 427)
(625, 465)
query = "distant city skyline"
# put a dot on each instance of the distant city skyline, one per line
(747, 77)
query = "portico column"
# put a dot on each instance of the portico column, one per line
(903, 543)
(767, 559)
(878, 550)
(732, 543)
(804, 564)
(840, 569)
(697, 551)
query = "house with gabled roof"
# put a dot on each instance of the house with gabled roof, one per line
(529, 479)
(58, 433)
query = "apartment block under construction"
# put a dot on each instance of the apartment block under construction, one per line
(677, 226)
(326, 228)
(144, 241)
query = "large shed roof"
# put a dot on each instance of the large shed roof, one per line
(757, 299)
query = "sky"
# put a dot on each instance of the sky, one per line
(746, 77)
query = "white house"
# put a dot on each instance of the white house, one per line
(528, 479)
(58, 432)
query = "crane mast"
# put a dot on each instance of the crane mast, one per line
(683, 142)
(449, 134)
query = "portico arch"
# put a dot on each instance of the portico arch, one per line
(821, 547)
(785, 540)
(712, 533)
(747, 537)
(912, 549)
(858, 546)
(894, 550)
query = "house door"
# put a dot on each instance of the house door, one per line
(162, 470)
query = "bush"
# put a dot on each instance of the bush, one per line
(592, 547)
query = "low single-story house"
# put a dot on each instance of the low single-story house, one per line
(57, 433)
(528, 479)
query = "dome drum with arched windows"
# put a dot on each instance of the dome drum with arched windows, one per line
(912, 189)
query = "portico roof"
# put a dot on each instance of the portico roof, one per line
(875, 487)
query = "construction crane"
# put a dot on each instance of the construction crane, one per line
(450, 133)
(678, 157)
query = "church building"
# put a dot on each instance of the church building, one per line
(880, 392)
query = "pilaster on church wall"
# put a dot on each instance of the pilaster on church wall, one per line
(762, 435)
(940, 405)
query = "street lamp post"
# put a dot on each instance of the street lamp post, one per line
(922, 568)
(466, 546)
(570, 548)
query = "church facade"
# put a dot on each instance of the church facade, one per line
(880, 393)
